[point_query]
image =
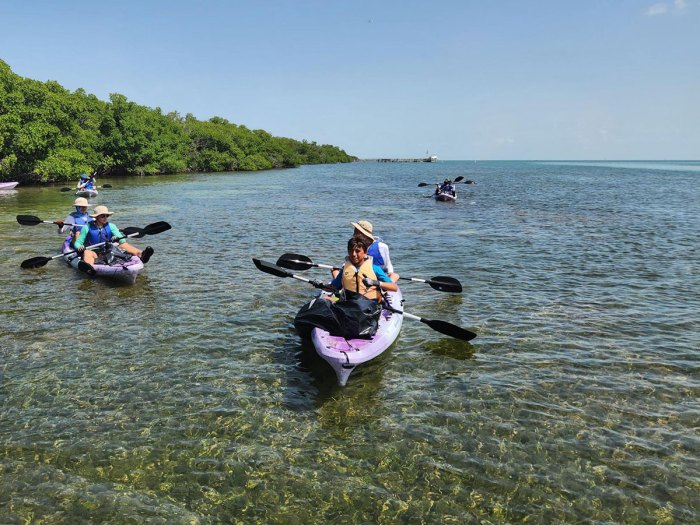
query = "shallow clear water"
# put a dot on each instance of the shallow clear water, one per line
(188, 398)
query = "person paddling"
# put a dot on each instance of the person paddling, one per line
(359, 286)
(446, 187)
(82, 184)
(75, 220)
(378, 249)
(359, 274)
(100, 230)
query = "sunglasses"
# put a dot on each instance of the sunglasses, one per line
(103, 215)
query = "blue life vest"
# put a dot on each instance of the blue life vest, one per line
(373, 251)
(79, 219)
(97, 235)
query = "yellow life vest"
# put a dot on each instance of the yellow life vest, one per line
(352, 278)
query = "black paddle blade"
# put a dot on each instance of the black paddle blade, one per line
(449, 329)
(66, 189)
(295, 261)
(270, 268)
(156, 227)
(445, 284)
(106, 185)
(35, 262)
(458, 178)
(131, 230)
(28, 220)
(422, 184)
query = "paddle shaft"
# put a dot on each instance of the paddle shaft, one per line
(303, 260)
(439, 326)
(90, 247)
(52, 222)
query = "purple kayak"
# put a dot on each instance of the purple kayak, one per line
(116, 265)
(88, 194)
(345, 354)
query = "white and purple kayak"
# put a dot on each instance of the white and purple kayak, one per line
(8, 185)
(345, 354)
(445, 197)
(116, 265)
(88, 194)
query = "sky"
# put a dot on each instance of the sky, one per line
(462, 79)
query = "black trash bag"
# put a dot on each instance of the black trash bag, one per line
(356, 318)
(317, 313)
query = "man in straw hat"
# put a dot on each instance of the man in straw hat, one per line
(378, 250)
(100, 230)
(76, 219)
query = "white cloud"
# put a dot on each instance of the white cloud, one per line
(657, 9)
(662, 8)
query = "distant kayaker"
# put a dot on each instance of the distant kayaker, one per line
(378, 249)
(87, 183)
(446, 187)
(76, 219)
(360, 275)
(100, 230)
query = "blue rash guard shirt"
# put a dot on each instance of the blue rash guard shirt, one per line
(80, 241)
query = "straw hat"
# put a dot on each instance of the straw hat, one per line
(81, 201)
(364, 227)
(100, 210)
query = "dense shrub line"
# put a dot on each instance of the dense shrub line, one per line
(48, 134)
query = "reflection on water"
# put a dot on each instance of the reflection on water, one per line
(188, 398)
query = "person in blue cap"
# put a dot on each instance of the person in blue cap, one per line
(87, 183)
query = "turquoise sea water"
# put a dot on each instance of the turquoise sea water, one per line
(188, 398)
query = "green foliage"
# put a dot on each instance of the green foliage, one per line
(61, 160)
(48, 134)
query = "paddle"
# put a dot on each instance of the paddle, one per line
(295, 261)
(151, 229)
(279, 272)
(423, 184)
(76, 189)
(31, 220)
(439, 326)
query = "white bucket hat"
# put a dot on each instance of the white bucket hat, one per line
(100, 210)
(364, 227)
(81, 201)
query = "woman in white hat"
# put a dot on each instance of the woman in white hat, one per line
(76, 219)
(100, 230)
(378, 250)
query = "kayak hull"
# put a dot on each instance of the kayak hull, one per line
(344, 355)
(445, 197)
(88, 194)
(120, 270)
(8, 185)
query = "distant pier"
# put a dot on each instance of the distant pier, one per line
(432, 158)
